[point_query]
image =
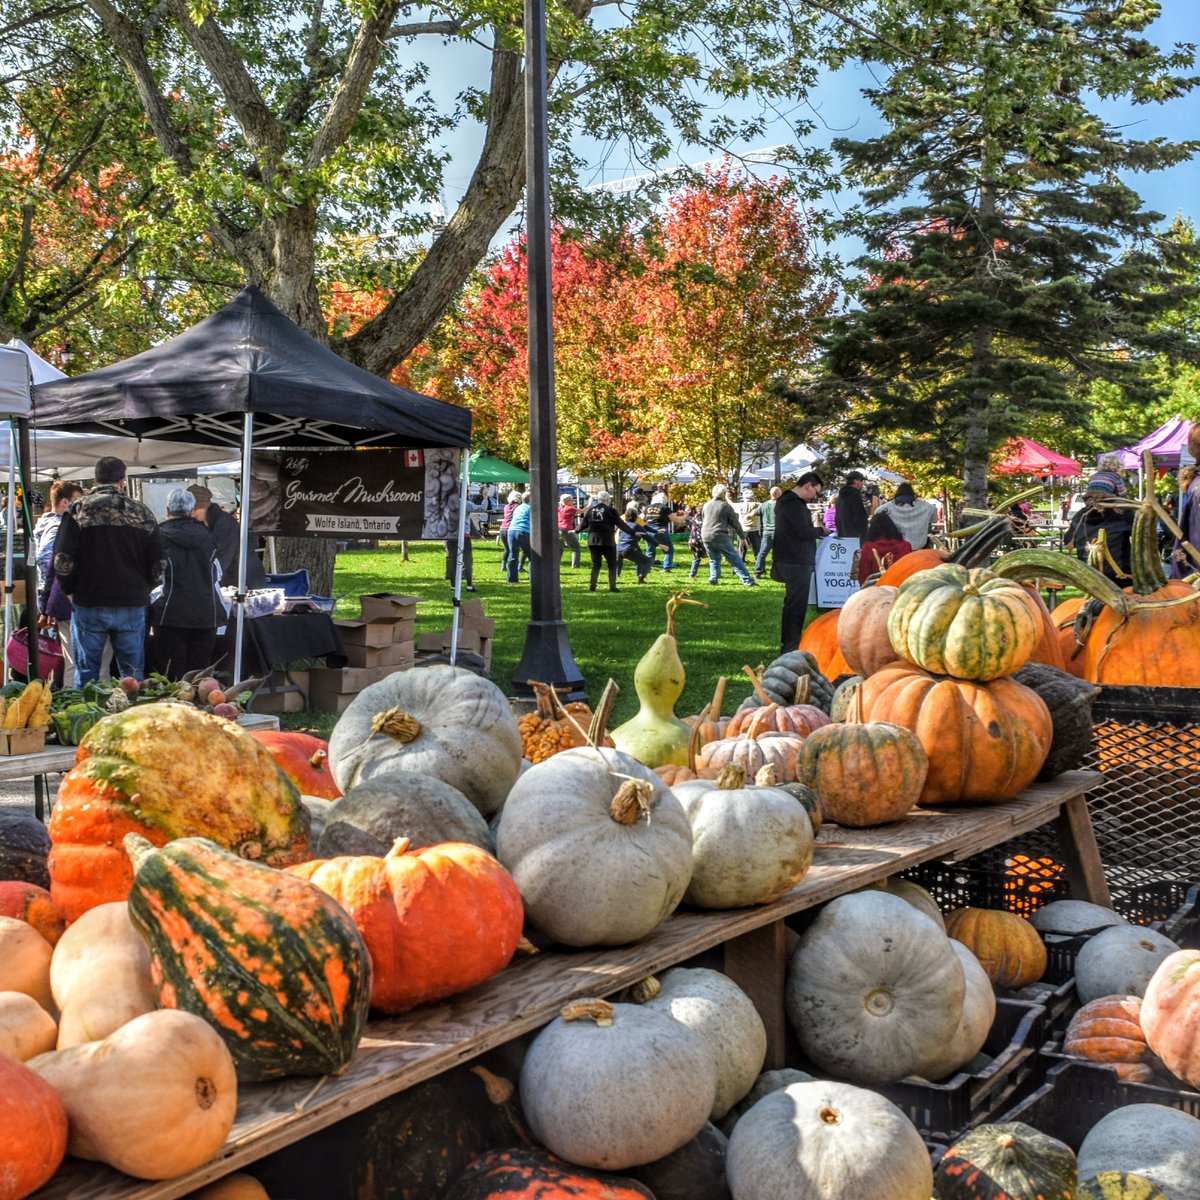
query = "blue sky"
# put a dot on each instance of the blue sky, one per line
(839, 110)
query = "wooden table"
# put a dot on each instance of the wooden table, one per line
(55, 759)
(401, 1051)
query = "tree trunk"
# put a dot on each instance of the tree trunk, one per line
(976, 427)
(316, 555)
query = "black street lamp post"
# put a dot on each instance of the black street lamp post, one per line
(547, 657)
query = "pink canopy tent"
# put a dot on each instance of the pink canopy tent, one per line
(1164, 443)
(1028, 458)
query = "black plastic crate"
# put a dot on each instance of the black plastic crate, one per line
(1053, 1056)
(942, 1112)
(1076, 1096)
(1005, 877)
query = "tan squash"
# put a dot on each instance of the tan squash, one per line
(25, 961)
(156, 1099)
(1009, 949)
(26, 1028)
(100, 975)
(232, 1187)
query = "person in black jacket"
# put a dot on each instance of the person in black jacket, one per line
(850, 508)
(185, 615)
(795, 554)
(227, 534)
(1095, 516)
(107, 556)
(600, 522)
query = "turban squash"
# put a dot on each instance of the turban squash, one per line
(304, 759)
(1109, 1031)
(1008, 948)
(166, 771)
(985, 741)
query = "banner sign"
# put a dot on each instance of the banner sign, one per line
(401, 494)
(833, 577)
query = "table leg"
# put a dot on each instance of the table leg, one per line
(755, 961)
(39, 797)
(1081, 855)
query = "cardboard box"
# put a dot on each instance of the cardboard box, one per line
(471, 608)
(485, 651)
(22, 741)
(468, 640)
(334, 702)
(430, 641)
(484, 626)
(365, 633)
(283, 701)
(398, 654)
(327, 682)
(404, 631)
(388, 606)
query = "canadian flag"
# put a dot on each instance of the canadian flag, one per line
(413, 458)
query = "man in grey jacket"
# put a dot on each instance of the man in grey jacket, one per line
(719, 525)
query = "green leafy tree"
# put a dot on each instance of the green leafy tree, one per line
(1009, 264)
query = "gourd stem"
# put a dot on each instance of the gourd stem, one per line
(677, 601)
(766, 775)
(979, 546)
(600, 1011)
(631, 801)
(718, 698)
(599, 725)
(1049, 564)
(497, 1089)
(546, 699)
(645, 989)
(694, 739)
(731, 778)
(399, 847)
(759, 721)
(1145, 565)
(138, 848)
(397, 724)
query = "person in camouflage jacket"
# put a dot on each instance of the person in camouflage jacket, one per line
(108, 555)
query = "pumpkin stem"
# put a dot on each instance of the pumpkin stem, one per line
(599, 725)
(803, 689)
(714, 708)
(758, 723)
(600, 1011)
(398, 724)
(756, 681)
(694, 738)
(525, 946)
(731, 777)
(399, 846)
(631, 802)
(317, 762)
(1005, 1141)
(546, 699)
(138, 848)
(677, 601)
(645, 989)
(830, 1116)
(766, 775)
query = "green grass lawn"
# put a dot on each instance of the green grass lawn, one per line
(609, 632)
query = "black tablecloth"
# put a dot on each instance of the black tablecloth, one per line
(271, 643)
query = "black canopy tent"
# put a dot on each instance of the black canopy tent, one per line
(248, 376)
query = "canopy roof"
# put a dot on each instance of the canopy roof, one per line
(487, 469)
(248, 357)
(1164, 444)
(39, 368)
(1028, 458)
(14, 383)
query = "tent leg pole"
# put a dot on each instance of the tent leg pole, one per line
(31, 616)
(464, 477)
(10, 522)
(243, 544)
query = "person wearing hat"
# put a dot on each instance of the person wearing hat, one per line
(1115, 520)
(601, 522)
(227, 534)
(107, 556)
(1184, 564)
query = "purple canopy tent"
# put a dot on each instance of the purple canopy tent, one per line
(1164, 444)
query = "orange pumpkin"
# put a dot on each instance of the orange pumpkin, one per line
(909, 564)
(34, 905)
(800, 719)
(1169, 1014)
(304, 759)
(436, 921)
(33, 1130)
(673, 773)
(985, 741)
(863, 630)
(1109, 1031)
(1048, 649)
(1009, 949)
(709, 721)
(820, 639)
(1063, 618)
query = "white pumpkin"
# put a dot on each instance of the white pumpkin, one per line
(1070, 918)
(826, 1139)
(978, 1014)
(750, 845)
(718, 1010)
(914, 894)
(764, 1085)
(873, 989)
(1151, 1140)
(1120, 961)
(616, 1085)
(440, 721)
(600, 849)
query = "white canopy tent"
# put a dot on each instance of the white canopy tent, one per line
(14, 407)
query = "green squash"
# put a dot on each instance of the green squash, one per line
(1070, 703)
(271, 962)
(24, 848)
(1118, 1185)
(696, 1171)
(1007, 1162)
(782, 682)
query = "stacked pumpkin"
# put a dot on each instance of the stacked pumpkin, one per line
(961, 634)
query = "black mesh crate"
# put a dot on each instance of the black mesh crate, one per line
(1076, 1096)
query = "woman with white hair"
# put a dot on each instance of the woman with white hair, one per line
(510, 507)
(185, 616)
(601, 522)
(719, 525)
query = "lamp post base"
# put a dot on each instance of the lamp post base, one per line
(548, 659)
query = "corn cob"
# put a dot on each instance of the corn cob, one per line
(41, 712)
(18, 715)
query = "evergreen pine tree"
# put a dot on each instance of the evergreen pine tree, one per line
(1009, 262)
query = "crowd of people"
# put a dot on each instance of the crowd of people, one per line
(117, 586)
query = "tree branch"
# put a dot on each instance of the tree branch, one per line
(417, 28)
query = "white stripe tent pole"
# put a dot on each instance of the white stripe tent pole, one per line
(243, 544)
(10, 524)
(464, 484)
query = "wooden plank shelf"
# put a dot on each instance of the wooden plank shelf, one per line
(401, 1051)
